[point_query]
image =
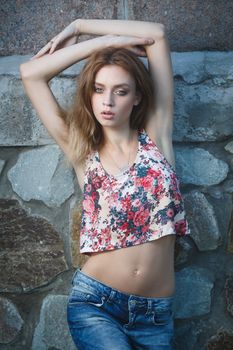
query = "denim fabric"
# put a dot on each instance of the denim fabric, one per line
(104, 318)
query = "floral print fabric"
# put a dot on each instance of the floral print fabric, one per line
(140, 205)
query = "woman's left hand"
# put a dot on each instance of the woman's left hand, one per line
(67, 37)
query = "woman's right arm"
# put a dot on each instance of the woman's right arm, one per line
(37, 72)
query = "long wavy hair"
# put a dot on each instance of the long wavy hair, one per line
(85, 132)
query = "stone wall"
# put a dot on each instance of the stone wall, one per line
(39, 194)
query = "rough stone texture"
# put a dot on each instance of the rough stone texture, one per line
(228, 186)
(19, 124)
(230, 236)
(78, 259)
(190, 66)
(229, 147)
(214, 65)
(18, 18)
(52, 330)
(209, 32)
(10, 323)
(43, 175)
(2, 163)
(223, 340)
(183, 250)
(204, 111)
(185, 334)
(31, 250)
(199, 167)
(181, 17)
(202, 221)
(200, 282)
(229, 294)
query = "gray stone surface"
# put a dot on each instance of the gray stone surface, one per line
(10, 323)
(223, 340)
(19, 125)
(31, 251)
(185, 32)
(215, 67)
(193, 292)
(229, 294)
(202, 221)
(199, 167)
(52, 330)
(2, 163)
(42, 174)
(28, 26)
(183, 250)
(204, 111)
(229, 147)
(189, 66)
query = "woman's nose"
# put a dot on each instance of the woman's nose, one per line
(108, 100)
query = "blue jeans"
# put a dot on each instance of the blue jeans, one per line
(104, 318)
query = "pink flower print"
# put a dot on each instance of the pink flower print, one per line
(88, 188)
(96, 181)
(141, 217)
(88, 205)
(147, 182)
(136, 202)
(170, 213)
(130, 215)
(126, 203)
(180, 227)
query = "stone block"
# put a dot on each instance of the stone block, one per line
(203, 112)
(183, 250)
(11, 321)
(42, 174)
(32, 252)
(185, 32)
(19, 125)
(29, 26)
(78, 259)
(200, 282)
(52, 330)
(229, 147)
(229, 294)
(202, 221)
(223, 340)
(2, 163)
(190, 66)
(214, 65)
(199, 167)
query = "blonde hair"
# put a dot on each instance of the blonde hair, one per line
(85, 132)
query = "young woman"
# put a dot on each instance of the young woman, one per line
(118, 137)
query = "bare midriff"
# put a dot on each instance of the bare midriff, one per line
(145, 269)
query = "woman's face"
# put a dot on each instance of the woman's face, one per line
(114, 96)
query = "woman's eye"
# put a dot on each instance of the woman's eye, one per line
(121, 92)
(98, 89)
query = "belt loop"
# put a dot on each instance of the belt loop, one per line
(112, 295)
(149, 306)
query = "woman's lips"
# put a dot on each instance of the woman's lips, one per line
(107, 114)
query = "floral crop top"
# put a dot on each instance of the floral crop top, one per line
(140, 205)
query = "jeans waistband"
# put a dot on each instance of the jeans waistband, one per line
(112, 293)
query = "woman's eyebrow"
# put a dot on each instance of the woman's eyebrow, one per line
(116, 86)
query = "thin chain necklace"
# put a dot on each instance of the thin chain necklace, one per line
(122, 169)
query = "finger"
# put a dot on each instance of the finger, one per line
(42, 51)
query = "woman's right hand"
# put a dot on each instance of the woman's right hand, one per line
(132, 43)
(67, 37)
